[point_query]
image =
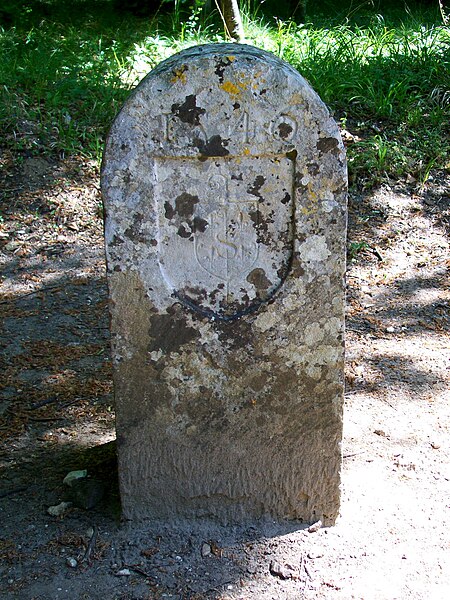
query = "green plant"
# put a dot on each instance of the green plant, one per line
(65, 73)
(354, 248)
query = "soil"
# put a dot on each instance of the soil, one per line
(392, 539)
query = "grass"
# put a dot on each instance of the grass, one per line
(66, 69)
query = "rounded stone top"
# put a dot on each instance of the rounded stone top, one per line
(223, 100)
(203, 171)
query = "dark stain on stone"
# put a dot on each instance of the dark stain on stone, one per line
(212, 295)
(153, 242)
(134, 232)
(196, 292)
(185, 204)
(262, 92)
(215, 146)
(292, 155)
(286, 199)
(262, 231)
(254, 216)
(284, 130)
(237, 177)
(117, 269)
(283, 271)
(221, 65)
(235, 334)
(236, 106)
(328, 144)
(258, 278)
(257, 185)
(188, 112)
(297, 267)
(116, 241)
(183, 232)
(169, 331)
(169, 211)
(199, 224)
(188, 227)
(313, 169)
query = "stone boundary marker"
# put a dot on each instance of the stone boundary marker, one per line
(224, 183)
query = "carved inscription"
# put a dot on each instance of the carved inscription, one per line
(241, 125)
(230, 219)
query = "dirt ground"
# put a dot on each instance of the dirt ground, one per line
(392, 540)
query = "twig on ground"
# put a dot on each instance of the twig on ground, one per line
(354, 454)
(12, 492)
(139, 571)
(375, 252)
(43, 403)
(91, 545)
(389, 404)
(307, 570)
(42, 289)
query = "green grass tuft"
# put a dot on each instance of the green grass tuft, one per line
(66, 69)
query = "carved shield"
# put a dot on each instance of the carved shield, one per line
(225, 230)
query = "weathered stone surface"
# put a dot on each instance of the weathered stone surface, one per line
(224, 184)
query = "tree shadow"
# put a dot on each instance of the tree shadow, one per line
(60, 335)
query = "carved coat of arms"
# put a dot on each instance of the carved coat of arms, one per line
(225, 229)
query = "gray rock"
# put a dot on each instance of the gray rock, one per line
(74, 475)
(283, 572)
(72, 563)
(59, 510)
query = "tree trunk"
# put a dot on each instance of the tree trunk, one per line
(444, 13)
(232, 19)
(297, 9)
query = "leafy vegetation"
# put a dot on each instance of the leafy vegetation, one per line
(68, 66)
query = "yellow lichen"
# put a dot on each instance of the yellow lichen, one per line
(230, 88)
(179, 75)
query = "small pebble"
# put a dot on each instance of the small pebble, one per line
(315, 527)
(283, 572)
(60, 509)
(380, 432)
(123, 573)
(72, 563)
